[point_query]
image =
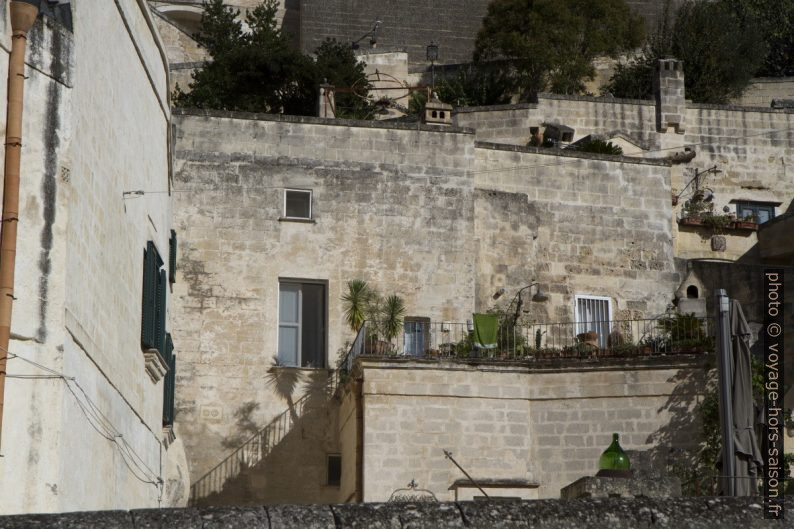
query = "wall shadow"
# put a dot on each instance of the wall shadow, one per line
(286, 460)
(678, 443)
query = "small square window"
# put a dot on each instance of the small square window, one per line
(297, 204)
(334, 470)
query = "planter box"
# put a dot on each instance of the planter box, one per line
(744, 225)
(690, 221)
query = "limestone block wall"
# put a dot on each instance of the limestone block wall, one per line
(578, 224)
(763, 90)
(393, 205)
(751, 147)
(499, 123)
(412, 25)
(95, 125)
(543, 424)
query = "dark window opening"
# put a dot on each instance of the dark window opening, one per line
(297, 204)
(301, 331)
(692, 292)
(334, 470)
(172, 258)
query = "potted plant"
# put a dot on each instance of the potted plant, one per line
(750, 222)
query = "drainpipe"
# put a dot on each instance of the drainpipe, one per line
(23, 14)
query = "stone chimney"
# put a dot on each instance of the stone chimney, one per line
(670, 98)
(326, 106)
(436, 112)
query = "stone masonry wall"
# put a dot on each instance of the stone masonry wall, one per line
(95, 125)
(578, 224)
(404, 23)
(752, 148)
(702, 512)
(763, 90)
(393, 205)
(546, 424)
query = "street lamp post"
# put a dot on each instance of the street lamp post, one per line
(432, 56)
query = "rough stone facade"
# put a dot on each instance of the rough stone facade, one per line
(392, 205)
(752, 148)
(697, 513)
(545, 424)
(578, 224)
(88, 117)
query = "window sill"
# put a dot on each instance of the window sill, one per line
(156, 367)
(168, 435)
(273, 369)
(297, 219)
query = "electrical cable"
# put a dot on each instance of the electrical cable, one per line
(98, 422)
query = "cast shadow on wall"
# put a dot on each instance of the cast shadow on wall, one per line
(284, 460)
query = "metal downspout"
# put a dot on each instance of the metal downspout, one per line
(23, 15)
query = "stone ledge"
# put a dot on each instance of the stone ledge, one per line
(494, 108)
(311, 120)
(571, 153)
(543, 365)
(621, 513)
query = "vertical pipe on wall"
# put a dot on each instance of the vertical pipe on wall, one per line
(23, 14)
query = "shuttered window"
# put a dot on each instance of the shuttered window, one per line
(169, 388)
(153, 300)
(172, 258)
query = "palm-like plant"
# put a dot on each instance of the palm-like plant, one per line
(393, 312)
(356, 303)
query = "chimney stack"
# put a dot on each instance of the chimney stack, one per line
(670, 98)
(326, 106)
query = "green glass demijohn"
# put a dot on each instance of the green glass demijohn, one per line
(614, 458)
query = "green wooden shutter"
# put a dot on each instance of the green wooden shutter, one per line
(160, 306)
(172, 258)
(149, 294)
(169, 388)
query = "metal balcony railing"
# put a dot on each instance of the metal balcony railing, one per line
(584, 339)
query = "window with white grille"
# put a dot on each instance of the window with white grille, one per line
(593, 314)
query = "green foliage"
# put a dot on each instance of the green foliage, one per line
(543, 44)
(721, 52)
(356, 302)
(260, 71)
(775, 20)
(717, 222)
(600, 147)
(337, 64)
(475, 85)
(393, 313)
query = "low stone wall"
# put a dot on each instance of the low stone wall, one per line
(702, 512)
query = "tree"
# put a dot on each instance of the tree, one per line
(336, 64)
(258, 70)
(720, 51)
(775, 21)
(552, 43)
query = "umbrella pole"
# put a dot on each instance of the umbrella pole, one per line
(725, 370)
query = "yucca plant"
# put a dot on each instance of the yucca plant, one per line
(392, 316)
(357, 301)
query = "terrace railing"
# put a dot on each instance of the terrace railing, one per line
(615, 338)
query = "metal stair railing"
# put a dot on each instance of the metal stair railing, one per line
(258, 446)
(247, 455)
